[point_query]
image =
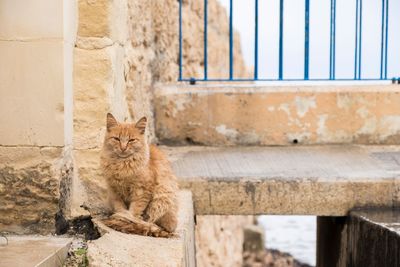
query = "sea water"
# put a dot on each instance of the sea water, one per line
(293, 234)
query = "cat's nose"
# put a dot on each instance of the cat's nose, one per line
(123, 147)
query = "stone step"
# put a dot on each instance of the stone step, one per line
(119, 249)
(277, 115)
(38, 251)
(302, 180)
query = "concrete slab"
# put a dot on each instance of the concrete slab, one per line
(118, 249)
(308, 180)
(38, 251)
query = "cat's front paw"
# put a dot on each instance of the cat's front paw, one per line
(124, 214)
(136, 215)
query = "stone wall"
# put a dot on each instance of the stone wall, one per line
(68, 65)
(218, 115)
(36, 41)
(123, 48)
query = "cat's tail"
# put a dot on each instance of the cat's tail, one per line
(133, 225)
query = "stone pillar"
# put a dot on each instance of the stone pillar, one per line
(329, 240)
(36, 42)
(373, 238)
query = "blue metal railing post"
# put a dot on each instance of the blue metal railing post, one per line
(281, 6)
(205, 39)
(358, 45)
(382, 36)
(386, 38)
(306, 39)
(256, 41)
(332, 56)
(231, 40)
(180, 40)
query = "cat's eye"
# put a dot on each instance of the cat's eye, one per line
(132, 140)
(116, 138)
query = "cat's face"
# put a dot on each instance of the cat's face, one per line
(124, 140)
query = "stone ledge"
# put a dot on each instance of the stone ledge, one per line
(323, 181)
(367, 237)
(39, 251)
(118, 249)
(373, 238)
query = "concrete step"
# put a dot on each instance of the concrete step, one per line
(38, 251)
(277, 115)
(118, 249)
(304, 180)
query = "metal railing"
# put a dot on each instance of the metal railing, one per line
(358, 24)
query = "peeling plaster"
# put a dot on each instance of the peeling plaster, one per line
(179, 105)
(250, 138)
(369, 127)
(229, 133)
(285, 107)
(321, 129)
(370, 121)
(389, 125)
(363, 112)
(303, 104)
(344, 101)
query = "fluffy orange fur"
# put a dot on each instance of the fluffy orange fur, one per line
(142, 187)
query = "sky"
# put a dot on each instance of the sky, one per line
(293, 42)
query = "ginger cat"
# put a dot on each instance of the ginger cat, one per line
(142, 187)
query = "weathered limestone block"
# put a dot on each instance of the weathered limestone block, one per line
(219, 240)
(139, 59)
(98, 90)
(87, 162)
(29, 188)
(92, 80)
(139, 83)
(94, 18)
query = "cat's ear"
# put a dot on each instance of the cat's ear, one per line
(141, 125)
(111, 121)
